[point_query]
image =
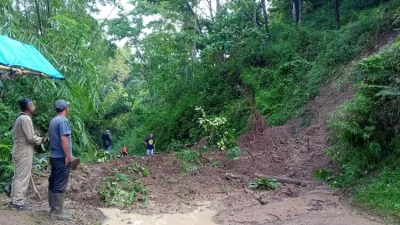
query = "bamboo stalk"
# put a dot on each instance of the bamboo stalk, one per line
(24, 71)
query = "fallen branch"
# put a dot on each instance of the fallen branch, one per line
(35, 190)
(231, 176)
(281, 179)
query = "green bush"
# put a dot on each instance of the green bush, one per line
(188, 155)
(380, 193)
(6, 164)
(364, 134)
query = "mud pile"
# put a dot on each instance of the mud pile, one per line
(290, 150)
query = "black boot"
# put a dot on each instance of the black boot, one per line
(50, 195)
(57, 204)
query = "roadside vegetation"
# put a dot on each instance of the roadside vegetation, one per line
(365, 134)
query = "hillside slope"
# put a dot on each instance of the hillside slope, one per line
(294, 151)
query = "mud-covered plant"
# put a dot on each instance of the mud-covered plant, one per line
(138, 168)
(264, 183)
(190, 160)
(188, 155)
(122, 191)
(216, 164)
(188, 167)
(233, 153)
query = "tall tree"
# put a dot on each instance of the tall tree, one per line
(337, 13)
(264, 8)
(297, 8)
(218, 6)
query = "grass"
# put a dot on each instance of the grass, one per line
(380, 194)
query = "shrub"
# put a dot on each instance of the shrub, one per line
(188, 155)
(218, 133)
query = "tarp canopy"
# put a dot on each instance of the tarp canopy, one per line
(16, 54)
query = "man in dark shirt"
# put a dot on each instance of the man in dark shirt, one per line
(150, 145)
(107, 141)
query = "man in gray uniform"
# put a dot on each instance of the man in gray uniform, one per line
(25, 139)
(60, 160)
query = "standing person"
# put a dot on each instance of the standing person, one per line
(150, 145)
(24, 141)
(60, 160)
(107, 141)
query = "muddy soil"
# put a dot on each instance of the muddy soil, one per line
(294, 151)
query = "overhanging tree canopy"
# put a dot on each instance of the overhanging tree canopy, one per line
(14, 54)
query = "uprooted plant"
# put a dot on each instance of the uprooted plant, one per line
(264, 183)
(190, 160)
(121, 190)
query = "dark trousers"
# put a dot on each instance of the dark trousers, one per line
(58, 180)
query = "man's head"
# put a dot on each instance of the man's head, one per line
(108, 129)
(151, 135)
(26, 106)
(61, 107)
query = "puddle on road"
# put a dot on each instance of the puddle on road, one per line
(118, 217)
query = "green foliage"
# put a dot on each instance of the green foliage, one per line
(326, 175)
(215, 164)
(364, 134)
(216, 127)
(188, 155)
(233, 153)
(264, 183)
(6, 164)
(190, 160)
(122, 191)
(380, 193)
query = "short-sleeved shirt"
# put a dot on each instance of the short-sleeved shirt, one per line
(149, 143)
(59, 126)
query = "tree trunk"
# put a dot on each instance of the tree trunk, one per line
(264, 9)
(218, 6)
(337, 14)
(48, 13)
(209, 2)
(38, 15)
(48, 9)
(255, 8)
(300, 11)
(297, 11)
(198, 27)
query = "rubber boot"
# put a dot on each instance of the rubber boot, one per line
(50, 195)
(57, 201)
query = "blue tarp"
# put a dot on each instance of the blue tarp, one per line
(16, 54)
